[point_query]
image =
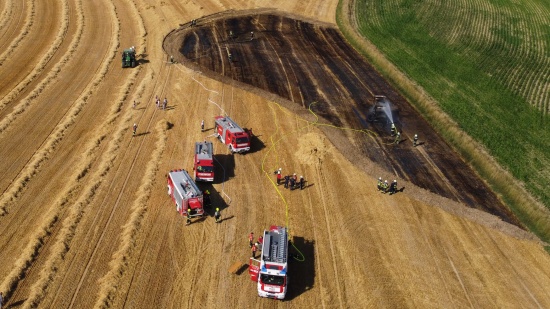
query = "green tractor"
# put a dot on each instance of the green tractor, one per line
(129, 58)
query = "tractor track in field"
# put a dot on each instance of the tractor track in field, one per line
(343, 83)
(331, 243)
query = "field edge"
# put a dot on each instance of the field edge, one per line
(529, 210)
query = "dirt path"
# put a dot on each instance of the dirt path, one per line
(85, 220)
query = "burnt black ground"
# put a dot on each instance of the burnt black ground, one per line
(306, 62)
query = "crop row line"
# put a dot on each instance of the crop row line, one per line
(51, 219)
(29, 20)
(6, 12)
(40, 155)
(43, 61)
(72, 221)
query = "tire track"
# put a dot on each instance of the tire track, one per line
(106, 163)
(329, 237)
(104, 300)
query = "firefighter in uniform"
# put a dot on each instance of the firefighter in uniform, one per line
(393, 187)
(251, 239)
(217, 215)
(415, 140)
(398, 138)
(207, 201)
(134, 127)
(188, 216)
(287, 179)
(380, 184)
(254, 249)
(393, 129)
(385, 186)
(302, 182)
(279, 176)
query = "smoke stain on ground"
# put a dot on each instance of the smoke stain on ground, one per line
(306, 61)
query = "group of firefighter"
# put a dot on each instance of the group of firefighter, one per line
(290, 181)
(207, 203)
(255, 245)
(385, 187)
(397, 135)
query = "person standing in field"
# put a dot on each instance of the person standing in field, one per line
(254, 249)
(251, 239)
(164, 103)
(279, 177)
(202, 125)
(415, 140)
(302, 182)
(134, 129)
(393, 187)
(287, 179)
(217, 215)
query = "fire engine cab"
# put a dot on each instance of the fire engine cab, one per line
(232, 135)
(203, 166)
(185, 193)
(271, 270)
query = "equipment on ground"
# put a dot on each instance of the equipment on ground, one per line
(185, 193)
(271, 270)
(380, 111)
(203, 165)
(232, 135)
(129, 58)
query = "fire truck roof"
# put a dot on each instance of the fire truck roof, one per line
(275, 246)
(228, 124)
(184, 184)
(204, 150)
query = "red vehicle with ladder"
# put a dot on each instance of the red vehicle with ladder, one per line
(271, 270)
(232, 135)
(203, 165)
(185, 193)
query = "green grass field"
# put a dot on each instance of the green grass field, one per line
(486, 63)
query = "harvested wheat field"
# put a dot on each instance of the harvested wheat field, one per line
(86, 222)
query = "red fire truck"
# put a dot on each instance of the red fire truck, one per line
(185, 193)
(232, 135)
(203, 166)
(271, 270)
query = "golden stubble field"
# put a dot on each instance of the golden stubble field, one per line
(86, 222)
